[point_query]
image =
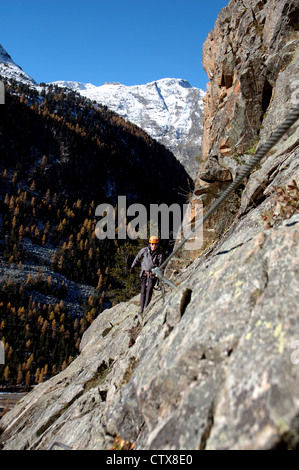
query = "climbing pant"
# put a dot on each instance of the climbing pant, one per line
(148, 282)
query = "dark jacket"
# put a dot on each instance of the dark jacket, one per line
(149, 259)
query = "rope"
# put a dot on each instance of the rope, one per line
(275, 137)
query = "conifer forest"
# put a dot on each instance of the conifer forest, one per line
(61, 156)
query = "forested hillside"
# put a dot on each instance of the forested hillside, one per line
(61, 156)
(77, 148)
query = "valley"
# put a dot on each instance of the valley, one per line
(61, 157)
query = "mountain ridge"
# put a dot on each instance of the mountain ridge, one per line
(170, 110)
(9, 69)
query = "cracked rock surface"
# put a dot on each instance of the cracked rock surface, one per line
(216, 365)
(215, 374)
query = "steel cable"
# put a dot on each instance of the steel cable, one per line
(274, 138)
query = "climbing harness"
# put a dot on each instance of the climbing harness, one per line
(148, 275)
(274, 138)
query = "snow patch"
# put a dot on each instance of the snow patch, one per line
(10, 70)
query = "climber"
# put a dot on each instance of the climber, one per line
(150, 257)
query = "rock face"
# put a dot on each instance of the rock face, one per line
(213, 367)
(216, 365)
(251, 58)
(252, 42)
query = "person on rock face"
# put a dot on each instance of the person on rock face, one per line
(150, 257)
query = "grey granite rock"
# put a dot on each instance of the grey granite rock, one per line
(216, 364)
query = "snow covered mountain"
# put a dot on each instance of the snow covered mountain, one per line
(10, 70)
(169, 110)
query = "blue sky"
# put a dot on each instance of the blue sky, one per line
(128, 41)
